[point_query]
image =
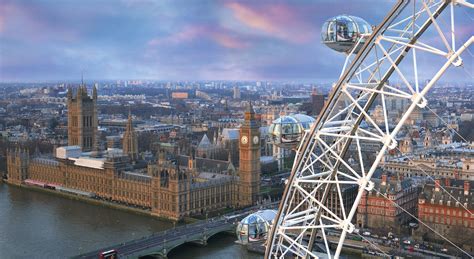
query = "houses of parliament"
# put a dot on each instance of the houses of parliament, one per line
(174, 186)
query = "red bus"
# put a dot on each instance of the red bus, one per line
(110, 254)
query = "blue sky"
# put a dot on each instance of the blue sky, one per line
(172, 40)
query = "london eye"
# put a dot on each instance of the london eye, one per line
(385, 61)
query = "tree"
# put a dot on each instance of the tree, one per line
(53, 123)
(466, 130)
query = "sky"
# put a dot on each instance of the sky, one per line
(173, 40)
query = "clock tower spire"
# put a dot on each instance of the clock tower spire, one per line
(249, 148)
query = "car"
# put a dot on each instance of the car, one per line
(356, 231)
(413, 225)
(396, 239)
(444, 250)
(417, 245)
(375, 236)
(384, 238)
(407, 242)
(366, 233)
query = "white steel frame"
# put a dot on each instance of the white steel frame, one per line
(322, 160)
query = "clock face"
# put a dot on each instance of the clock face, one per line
(255, 140)
(244, 140)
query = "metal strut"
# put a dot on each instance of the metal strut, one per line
(321, 159)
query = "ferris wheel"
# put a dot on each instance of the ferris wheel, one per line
(402, 58)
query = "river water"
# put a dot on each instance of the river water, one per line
(42, 225)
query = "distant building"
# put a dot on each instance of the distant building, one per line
(317, 102)
(450, 212)
(249, 171)
(180, 95)
(179, 191)
(236, 92)
(229, 139)
(378, 213)
(130, 141)
(205, 148)
(17, 165)
(113, 142)
(454, 163)
(174, 187)
(82, 118)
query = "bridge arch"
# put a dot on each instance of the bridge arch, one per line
(201, 240)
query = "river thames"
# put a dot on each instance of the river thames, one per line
(42, 225)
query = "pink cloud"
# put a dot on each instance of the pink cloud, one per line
(2, 23)
(187, 34)
(4, 10)
(220, 36)
(21, 21)
(229, 41)
(280, 21)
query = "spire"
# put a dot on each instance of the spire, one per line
(37, 151)
(95, 146)
(79, 92)
(249, 108)
(69, 92)
(130, 142)
(94, 92)
(205, 143)
(249, 114)
(82, 77)
(229, 156)
(428, 131)
(215, 137)
(161, 156)
(192, 159)
(129, 128)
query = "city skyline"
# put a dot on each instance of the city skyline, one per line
(234, 117)
(222, 40)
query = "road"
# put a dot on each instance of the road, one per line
(160, 240)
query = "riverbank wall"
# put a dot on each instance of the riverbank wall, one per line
(104, 203)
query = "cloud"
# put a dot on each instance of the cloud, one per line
(2, 23)
(218, 35)
(279, 20)
(176, 40)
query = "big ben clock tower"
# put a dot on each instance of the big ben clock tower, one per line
(249, 148)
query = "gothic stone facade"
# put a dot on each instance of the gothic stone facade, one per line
(167, 189)
(249, 172)
(82, 118)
